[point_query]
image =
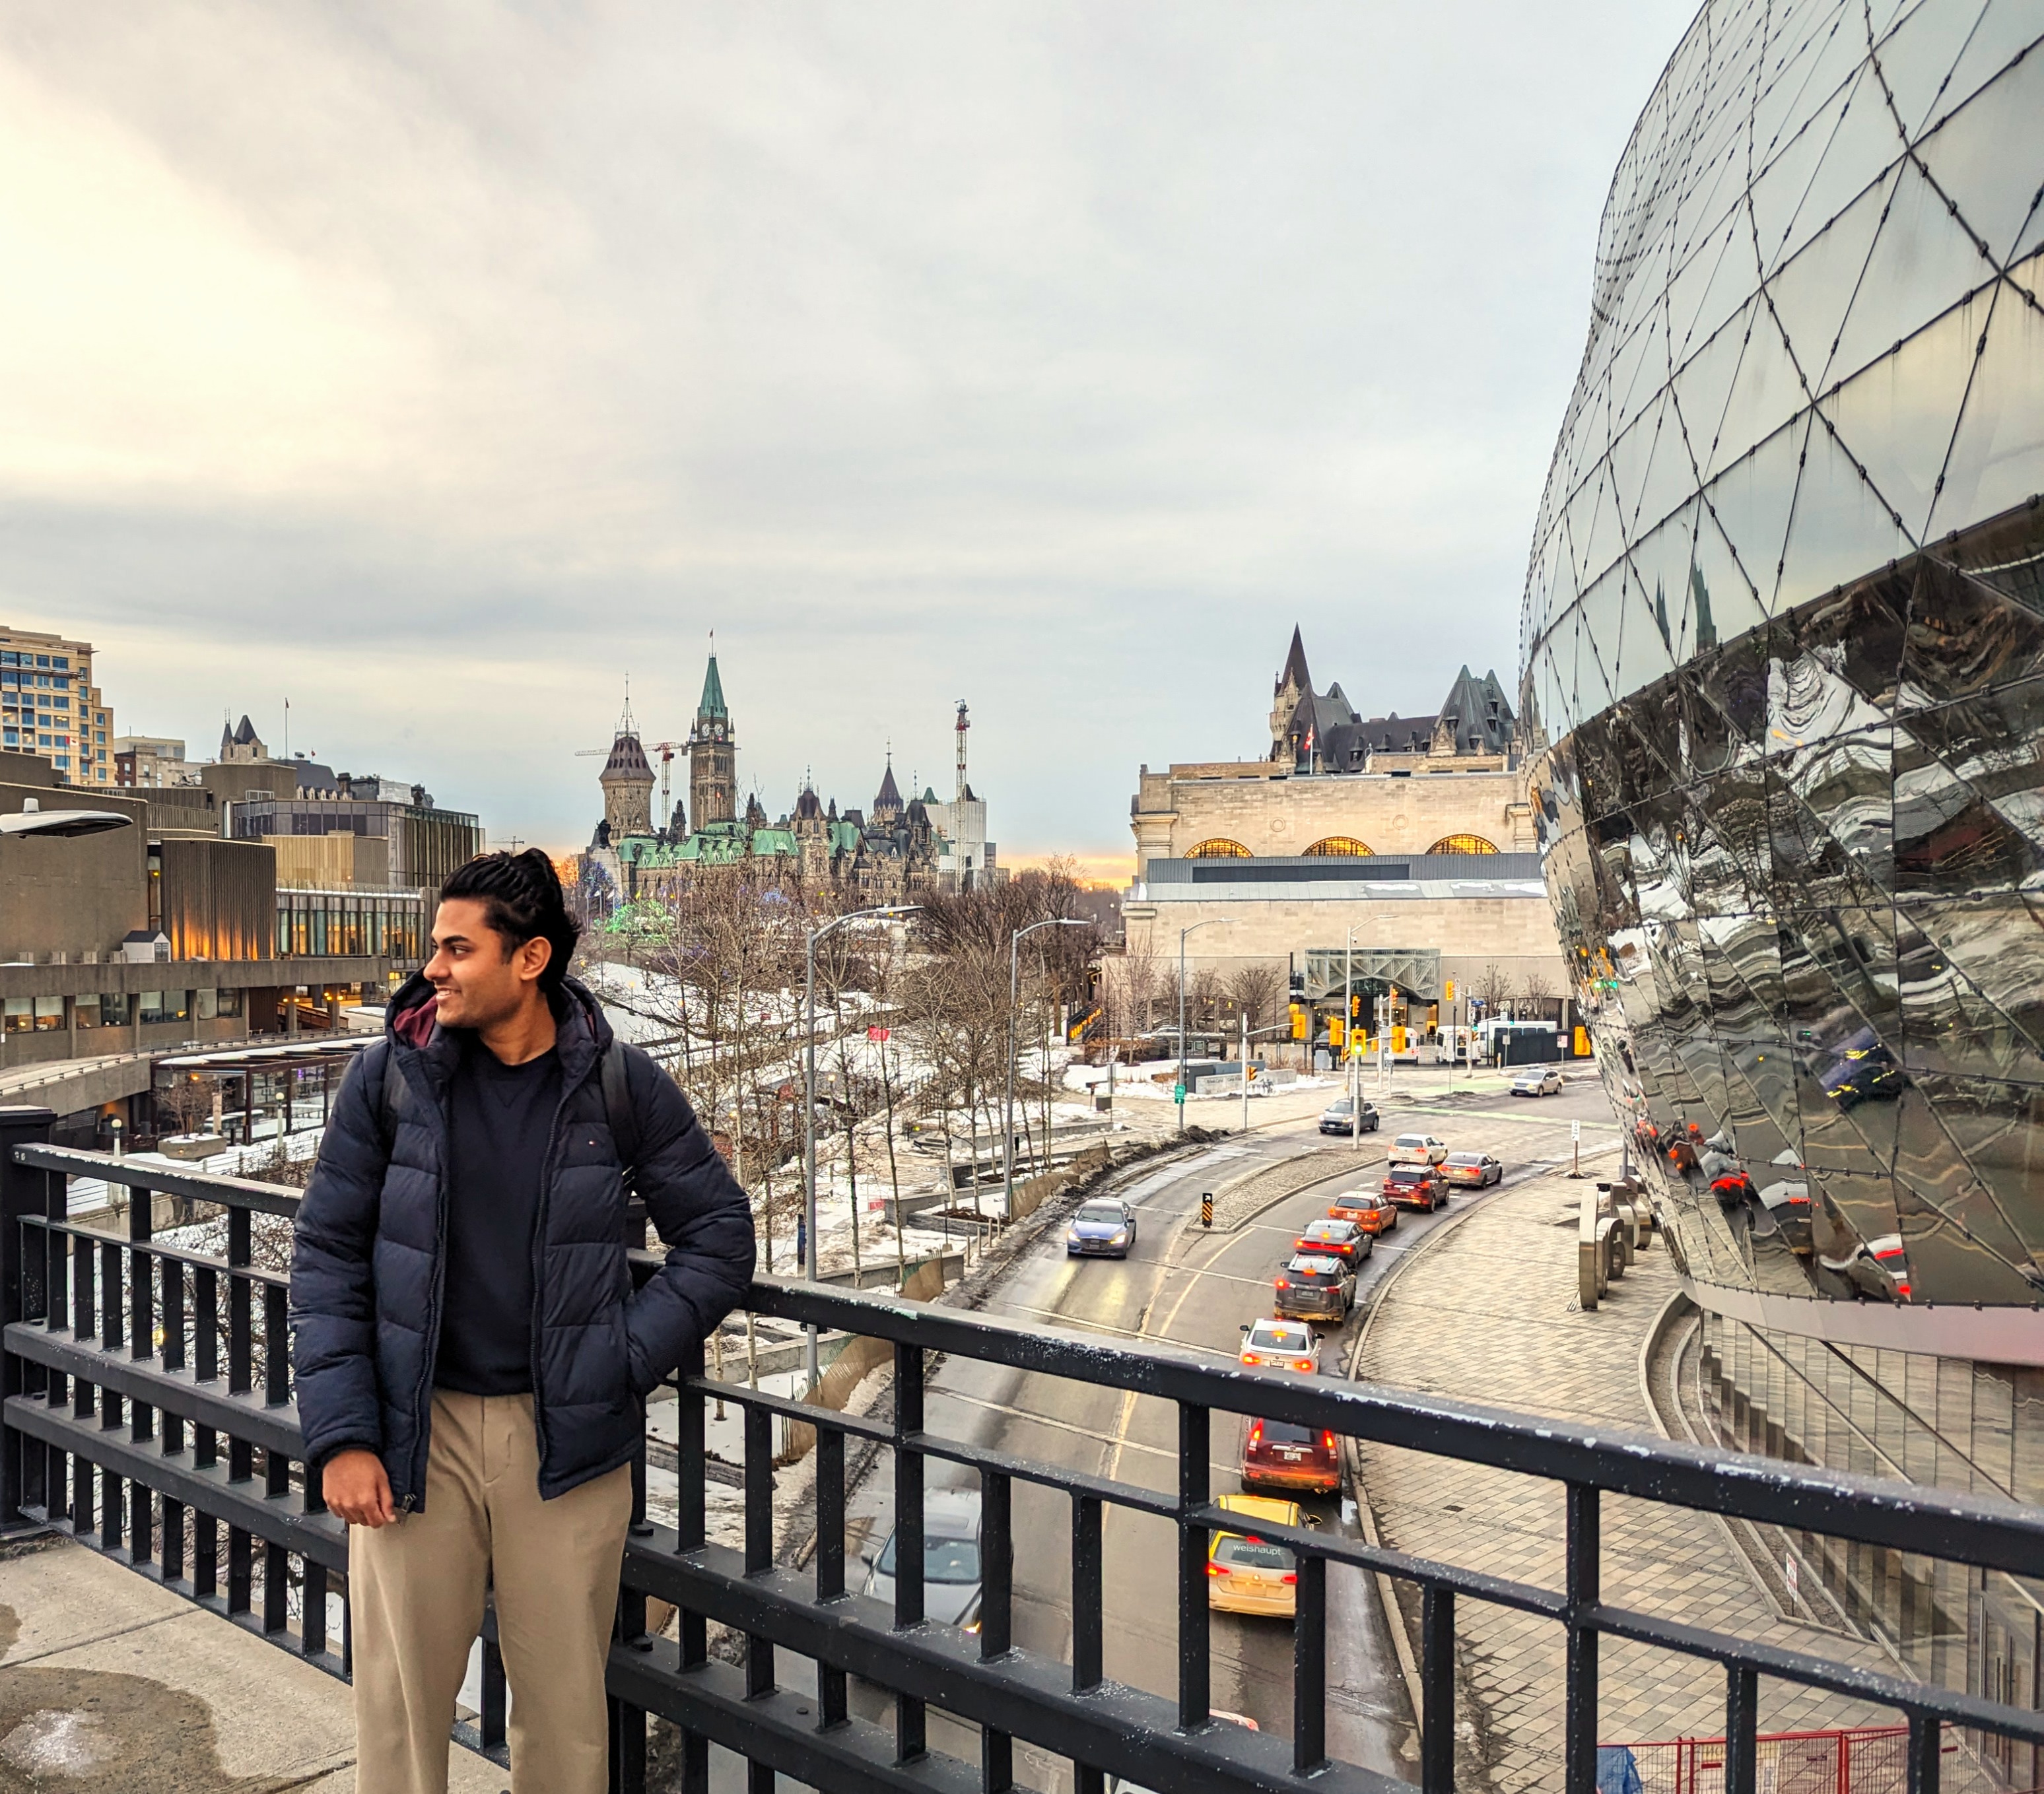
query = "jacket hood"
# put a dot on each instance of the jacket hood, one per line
(585, 1032)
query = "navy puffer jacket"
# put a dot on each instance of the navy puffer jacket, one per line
(370, 1257)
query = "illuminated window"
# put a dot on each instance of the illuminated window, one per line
(1219, 849)
(1339, 846)
(1463, 844)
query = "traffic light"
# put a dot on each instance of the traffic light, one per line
(1354, 1007)
(1452, 990)
(1336, 1029)
(1298, 1021)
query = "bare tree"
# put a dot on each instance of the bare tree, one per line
(1257, 991)
(1492, 986)
(1535, 987)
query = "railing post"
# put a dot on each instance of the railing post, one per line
(1741, 1721)
(22, 1194)
(1195, 1662)
(1437, 1690)
(1579, 1772)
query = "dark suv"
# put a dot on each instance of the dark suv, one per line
(1312, 1287)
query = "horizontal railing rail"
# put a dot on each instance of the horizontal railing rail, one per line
(148, 1411)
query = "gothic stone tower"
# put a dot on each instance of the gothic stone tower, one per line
(626, 779)
(713, 755)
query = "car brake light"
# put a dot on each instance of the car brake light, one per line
(1326, 1441)
(1302, 1364)
(1255, 1435)
(1250, 1357)
(1217, 1570)
(1288, 1577)
(1283, 1283)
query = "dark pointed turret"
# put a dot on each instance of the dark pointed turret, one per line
(1293, 672)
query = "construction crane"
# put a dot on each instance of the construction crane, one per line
(665, 749)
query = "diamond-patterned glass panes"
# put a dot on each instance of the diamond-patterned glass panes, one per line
(1784, 654)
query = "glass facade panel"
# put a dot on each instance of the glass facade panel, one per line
(1788, 764)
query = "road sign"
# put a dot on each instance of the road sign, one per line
(1206, 1208)
(1178, 1092)
(877, 1033)
(1575, 1129)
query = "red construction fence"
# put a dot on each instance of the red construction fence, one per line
(1868, 1760)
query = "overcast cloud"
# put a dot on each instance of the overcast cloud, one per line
(437, 365)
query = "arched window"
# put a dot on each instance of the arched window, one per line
(1339, 846)
(1219, 849)
(1463, 844)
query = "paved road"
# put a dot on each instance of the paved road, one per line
(1195, 1290)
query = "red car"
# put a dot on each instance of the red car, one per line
(1415, 1186)
(1278, 1454)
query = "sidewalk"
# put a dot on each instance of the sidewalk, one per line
(1489, 1315)
(111, 1684)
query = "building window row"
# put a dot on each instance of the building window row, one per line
(8, 657)
(45, 1015)
(1340, 847)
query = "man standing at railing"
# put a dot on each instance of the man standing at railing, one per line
(471, 1358)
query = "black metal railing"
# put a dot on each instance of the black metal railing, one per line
(147, 1410)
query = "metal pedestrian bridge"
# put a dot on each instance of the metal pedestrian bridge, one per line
(148, 1414)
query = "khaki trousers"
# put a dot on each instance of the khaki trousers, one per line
(415, 1589)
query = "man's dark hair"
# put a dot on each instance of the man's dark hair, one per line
(521, 894)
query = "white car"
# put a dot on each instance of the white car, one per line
(1281, 1345)
(1417, 1149)
(1545, 1082)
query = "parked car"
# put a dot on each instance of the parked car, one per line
(1471, 1170)
(1314, 1288)
(1417, 1149)
(1104, 1227)
(1279, 1454)
(1339, 1117)
(1371, 1210)
(1286, 1344)
(1337, 1239)
(1415, 1186)
(1247, 1574)
(950, 1559)
(1542, 1080)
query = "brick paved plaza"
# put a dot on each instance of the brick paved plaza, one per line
(1489, 1314)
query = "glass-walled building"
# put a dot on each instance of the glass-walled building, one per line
(1783, 655)
(388, 924)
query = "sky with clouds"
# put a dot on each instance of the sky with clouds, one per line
(435, 366)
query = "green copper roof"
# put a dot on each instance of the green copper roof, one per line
(713, 697)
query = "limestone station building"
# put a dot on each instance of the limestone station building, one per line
(1411, 837)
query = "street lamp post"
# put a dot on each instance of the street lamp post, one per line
(1193, 929)
(1007, 1106)
(809, 1090)
(1348, 1042)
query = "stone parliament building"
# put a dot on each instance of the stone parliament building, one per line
(1413, 835)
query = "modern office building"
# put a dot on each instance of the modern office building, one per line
(50, 707)
(1783, 663)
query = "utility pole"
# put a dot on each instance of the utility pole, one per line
(1179, 1096)
(1245, 1070)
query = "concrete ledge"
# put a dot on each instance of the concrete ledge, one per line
(110, 1683)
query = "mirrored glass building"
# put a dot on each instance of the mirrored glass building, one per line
(1783, 658)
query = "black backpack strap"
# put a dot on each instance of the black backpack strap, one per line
(393, 1095)
(617, 1107)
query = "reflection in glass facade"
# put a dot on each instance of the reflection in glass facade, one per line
(1783, 658)
(1783, 651)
